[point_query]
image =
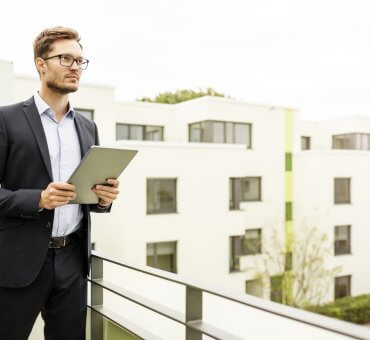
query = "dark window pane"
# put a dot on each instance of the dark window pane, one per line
(162, 255)
(236, 193)
(288, 211)
(342, 192)
(251, 189)
(161, 196)
(89, 114)
(276, 288)
(236, 250)
(218, 133)
(252, 242)
(154, 133)
(229, 132)
(254, 287)
(342, 239)
(241, 133)
(305, 143)
(136, 132)
(342, 286)
(196, 132)
(122, 131)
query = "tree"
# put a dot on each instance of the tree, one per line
(310, 279)
(181, 96)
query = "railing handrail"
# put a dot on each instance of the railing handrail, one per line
(316, 320)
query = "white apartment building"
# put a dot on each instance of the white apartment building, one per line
(211, 173)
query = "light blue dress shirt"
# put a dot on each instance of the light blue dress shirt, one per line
(65, 155)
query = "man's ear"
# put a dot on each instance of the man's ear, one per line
(40, 65)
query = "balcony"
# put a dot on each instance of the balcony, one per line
(131, 302)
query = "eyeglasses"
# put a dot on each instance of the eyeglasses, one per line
(67, 60)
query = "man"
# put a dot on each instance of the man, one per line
(44, 241)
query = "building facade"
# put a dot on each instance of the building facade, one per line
(213, 176)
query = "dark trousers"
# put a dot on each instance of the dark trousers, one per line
(59, 292)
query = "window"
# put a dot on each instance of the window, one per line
(342, 239)
(358, 141)
(305, 143)
(254, 287)
(276, 288)
(243, 190)
(342, 190)
(161, 195)
(342, 286)
(139, 132)
(162, 255)
(220, 132)
(242, 245)
(89, 114)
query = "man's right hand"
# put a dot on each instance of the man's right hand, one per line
(56, 195)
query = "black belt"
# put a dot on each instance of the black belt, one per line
(63, 241)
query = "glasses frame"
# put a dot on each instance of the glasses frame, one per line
(85, 61)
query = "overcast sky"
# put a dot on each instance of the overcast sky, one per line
(310, 54)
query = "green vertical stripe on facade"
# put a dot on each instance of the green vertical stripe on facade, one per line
(288, 198)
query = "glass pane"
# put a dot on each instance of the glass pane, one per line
(251, 189)
(154, 133)
(121, 131)
(229, 133)
(241, 133)
(254, 287)
(218, 132)
(305, 143)
(342, 286)
(342, 190)
(276, 283)
(161, 195)
(364, 141)
(252, 242)
(136, 132)
(196, 133)
(236, 193)
(89, 114)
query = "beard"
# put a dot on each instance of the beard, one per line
(53, 85)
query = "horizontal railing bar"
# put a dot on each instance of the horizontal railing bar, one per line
(211, 331)
(320, 321)
(142, 301)
(122, 322)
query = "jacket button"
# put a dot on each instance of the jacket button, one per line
(48, 225)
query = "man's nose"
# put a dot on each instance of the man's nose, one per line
(74, 65)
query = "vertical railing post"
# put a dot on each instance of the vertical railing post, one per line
(96, 324)
(194, 311)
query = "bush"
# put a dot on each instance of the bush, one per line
(353, 309)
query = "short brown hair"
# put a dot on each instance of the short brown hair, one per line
(44, 41)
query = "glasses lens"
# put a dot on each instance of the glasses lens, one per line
(66, 60)
(83, 64)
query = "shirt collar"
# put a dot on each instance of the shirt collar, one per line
(43, 107)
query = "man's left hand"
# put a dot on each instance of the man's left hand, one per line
(107, 193)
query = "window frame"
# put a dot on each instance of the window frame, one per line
(92, 111)
(155, 255)
(203, 126)
(144, 131)
(336, 286)
(336, 199)
(161, 211)
(337, 252)
(232, 194)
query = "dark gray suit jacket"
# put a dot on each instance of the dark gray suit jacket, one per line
(25, 170)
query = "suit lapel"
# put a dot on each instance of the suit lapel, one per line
(81, 134)
(34, 120)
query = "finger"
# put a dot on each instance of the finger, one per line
(63, 186)
(100, 193)
(55, 198)
(107, 189)
(62, 193)
(114, 182)
(106, 198)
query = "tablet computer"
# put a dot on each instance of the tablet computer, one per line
(98, 164)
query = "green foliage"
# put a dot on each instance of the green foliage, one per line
(353, 309)
(181, 96)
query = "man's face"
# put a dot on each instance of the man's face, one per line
(59, 78)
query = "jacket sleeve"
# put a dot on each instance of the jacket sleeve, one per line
(23, 203)
(94, 207)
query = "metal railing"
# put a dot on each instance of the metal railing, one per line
(192, 318)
